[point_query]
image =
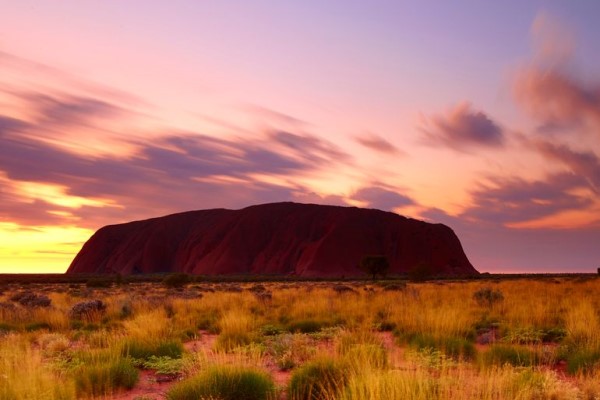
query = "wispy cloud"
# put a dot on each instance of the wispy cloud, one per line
(584, 164)
(382, 198)
(377, 143)
(557, 100)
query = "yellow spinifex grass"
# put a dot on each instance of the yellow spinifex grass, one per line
(461, 382)
(582, 323)
(25, 376)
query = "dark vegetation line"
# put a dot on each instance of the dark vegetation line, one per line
(142, 278)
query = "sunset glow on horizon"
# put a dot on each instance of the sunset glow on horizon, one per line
(484, 117)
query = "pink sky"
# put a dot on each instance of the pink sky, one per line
(482, 117)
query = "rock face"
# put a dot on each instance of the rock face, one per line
(281, 238)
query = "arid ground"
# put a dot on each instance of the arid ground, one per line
(529, 338)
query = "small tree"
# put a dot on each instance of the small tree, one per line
(375, 265)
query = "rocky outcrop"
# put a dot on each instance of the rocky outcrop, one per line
(281, 238)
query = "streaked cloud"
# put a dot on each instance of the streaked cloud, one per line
(513, 200)
(169, 172)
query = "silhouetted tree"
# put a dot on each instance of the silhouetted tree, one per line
(375, 265)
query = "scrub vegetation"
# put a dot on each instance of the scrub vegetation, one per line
(528, 338)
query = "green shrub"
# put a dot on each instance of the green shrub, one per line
(305, 326)
(225, 382)
(162, 365)
(271, 330)
(451, 346)
(139, 349)
(320, 379)
(37, 326)
(6, 328)
(103, 378)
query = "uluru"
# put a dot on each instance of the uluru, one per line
(305, 240)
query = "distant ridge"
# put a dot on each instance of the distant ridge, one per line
(306, 240)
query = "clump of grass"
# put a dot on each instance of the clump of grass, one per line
(225, 382)
(103, 378)
(390, 385)
(236, 330)
(487, 297)
(290, 350)
(320, 379)
(583, 361)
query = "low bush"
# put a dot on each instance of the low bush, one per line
(99, 283)
(306, 326)
(451, 346)
(394, 287)
(162, 365)
(144, 350)
(320, 379)
(90, 310)
(271, 330)
(343, 289)
(225, 382)
(176, 280)
(421, 272)
(37, 326)
(31, 300)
